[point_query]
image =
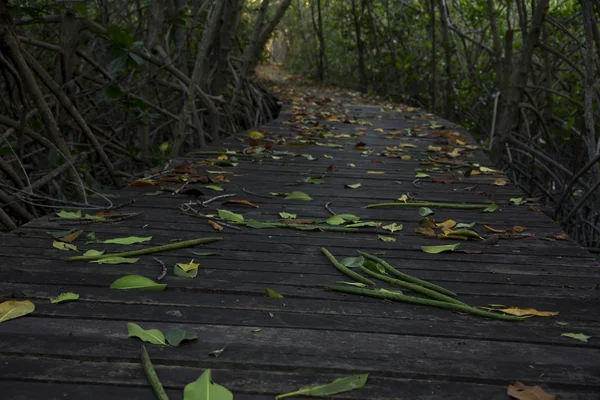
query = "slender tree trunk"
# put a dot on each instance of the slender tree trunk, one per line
(362, 70)
(587, 13)
(318, 27)
(434, 75)
(447, 45)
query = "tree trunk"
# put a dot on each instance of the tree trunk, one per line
(362, 70)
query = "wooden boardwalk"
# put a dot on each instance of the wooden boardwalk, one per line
(81, 350)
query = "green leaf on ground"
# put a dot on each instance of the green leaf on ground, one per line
(138, 282)
(94, 253)
(462, 225)
(357, 284)
(64, 297)
(351, 165)
(440, 249)
(298, 196)
(353, 262)
(182, 274)
(273, 293)
(116, 260)
(175, 336)
(386, 238)
(128, 240)
(12, 309)
(421, 175)
(577, 336)
(285, 215)
(363, 224)
(214, 187)
(187, 267)
(230, 216)
(335, 220)
(373, 266)
(354, 185)
(518, 201)
(64, 246)
(393, 227)
(491, 208)
(424, 211)
(251, 223)
(205, 389)
(153, 336)
(338, 386)
(69, 214)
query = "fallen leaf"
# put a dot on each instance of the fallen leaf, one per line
(521, 391)
(440, 249)
(273, 293)
(175, 336)
(286, 215)
(562, 236)
(518, 229)
(354, 185)
(353, 262)
(363, 224)
(393, 227)
(500, 182)
(490, 229)
(339, 385)
(64, 246)
(11, 309)
(215, 226)
(421, 175)
(189, 266)
(518, 200)
(527, 312)
(214, 187)
(357, 284)
(241, 202)
(256, 330)
(351, 165)
(115, 260)
(577, 336)
(448, 224)
(64, 297)
(128, 240)
(153, 336)
(424, 211)
(376, 172)
(177, 271)
(138, 282)
(386, 238)
(425, 231)
(298, 196)
(259, 225)
(491, 208)
(142, 182)
(69, 214)
(230, 216)
(66, 236)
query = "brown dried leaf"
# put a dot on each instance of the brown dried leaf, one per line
(215, 225)
(425, 231)
(241, 202)
(562, 236)
(493, 230)
(491, 241)
(518, 229)
(521, 391)
(70, 238)
(142, 182)
(527, 312)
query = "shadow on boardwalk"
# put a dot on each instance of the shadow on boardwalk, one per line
(321, 145)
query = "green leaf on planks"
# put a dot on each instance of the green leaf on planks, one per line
(298, 196)
(214, 187)
(138, 282)
(386, 238)
(357, 284)
(153, 336)
(577, 336)
(182, 274)
(94, 253)
(65, 236)
(315, 180)
(127, 240)
(363, 224)
(393, 227)
(491, 208)
(335, 220)
(175, 336)
(338, 386)
(208, 254)
(251, 223)
(187, 267)
(353, 262)
(69, 214)
(376, 267)
(421, 175)
(256, 330)
(351, 165)
(204, 388)
(285, 215)
(64, 297)
(424, 211)
(440, 249)
(518, 201)
(230, 216)
(272, 293)
(462, 225)
(353, 185)
(12, 309)
(64, 246)
(116, 260)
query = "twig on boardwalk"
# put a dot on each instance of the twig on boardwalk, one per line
(164, 269)
(416, 183)
(223, 196)
(107, 219)
(329, 209)
(256, 194)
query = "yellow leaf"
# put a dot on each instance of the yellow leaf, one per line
(487, 170)
(255, 135)
(405, 158)
(64, 246)
(222, 157)
(527, 312)
(521, 391)
(376, 172)
(448, 224)
(189, 266)
(493, 230)
(407, 145)
(378, 130)
(403, 198)
(13, 309)
(434, 148)
(500, 182)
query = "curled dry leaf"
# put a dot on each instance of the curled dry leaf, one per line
(562, 236)
(500, 182)
(521, 391)
(142, 182)
(527, 312)
(215, 225)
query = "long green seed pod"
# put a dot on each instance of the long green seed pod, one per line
(416, 300)
(406, 277)
(345, 270)
(149, 250)
(159, 391)
(417, 288)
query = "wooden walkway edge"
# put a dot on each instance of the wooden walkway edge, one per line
(321, 143)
